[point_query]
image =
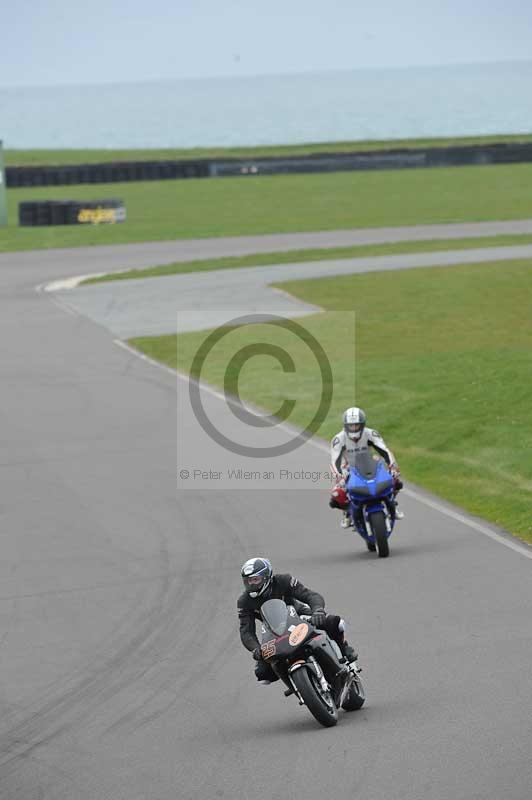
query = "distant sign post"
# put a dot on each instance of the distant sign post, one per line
(3, 200)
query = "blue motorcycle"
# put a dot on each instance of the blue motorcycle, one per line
(369, 488)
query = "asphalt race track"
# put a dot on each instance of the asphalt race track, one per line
(197, 301)
(121, 672)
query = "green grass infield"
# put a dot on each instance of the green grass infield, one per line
(443, 369)
(278, 204)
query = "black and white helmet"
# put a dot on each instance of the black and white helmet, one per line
(257, 575)
(354, 423)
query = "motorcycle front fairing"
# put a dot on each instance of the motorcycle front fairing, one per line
(370, 488)
(283, 630)
(287, 638)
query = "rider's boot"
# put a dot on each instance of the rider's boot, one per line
(348, 652)
(398, 513)
(346, 520)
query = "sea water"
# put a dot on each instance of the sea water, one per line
(456, 100)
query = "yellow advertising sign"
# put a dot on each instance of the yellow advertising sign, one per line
(95, 216)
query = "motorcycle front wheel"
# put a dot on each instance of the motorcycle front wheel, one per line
(377, 521)
(320, 704)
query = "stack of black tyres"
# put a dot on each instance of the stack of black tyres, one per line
(394, 158)
(70, 212)
(111, 172)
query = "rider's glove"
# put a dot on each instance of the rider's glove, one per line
(396, 475)
(318, 617)
(257, 654)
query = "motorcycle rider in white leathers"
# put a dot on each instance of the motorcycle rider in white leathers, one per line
(355, 438)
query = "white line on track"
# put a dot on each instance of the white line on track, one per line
(72, 283)
(523, 549)
(43, 287)
(64, 306)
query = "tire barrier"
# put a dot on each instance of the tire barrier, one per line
(71, 212)
(112, 172)
(404, 158)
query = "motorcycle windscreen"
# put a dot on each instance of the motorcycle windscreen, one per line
(275, 615)
(366, 465)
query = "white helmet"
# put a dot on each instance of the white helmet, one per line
(354, 423)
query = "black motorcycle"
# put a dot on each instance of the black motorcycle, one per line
(309, 662)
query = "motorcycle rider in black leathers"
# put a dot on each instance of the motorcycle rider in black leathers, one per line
(261, 584)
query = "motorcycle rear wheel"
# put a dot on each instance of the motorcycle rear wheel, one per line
(308, 686)
(377, 521)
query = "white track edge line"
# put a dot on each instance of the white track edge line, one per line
(522, 549)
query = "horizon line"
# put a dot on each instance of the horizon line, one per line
(252, 76)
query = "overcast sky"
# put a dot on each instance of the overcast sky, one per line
(50, 42)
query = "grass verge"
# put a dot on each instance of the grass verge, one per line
(279, 204)
(443, 360)
(323, 254)
(53, 157)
